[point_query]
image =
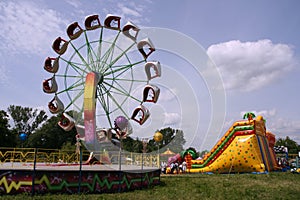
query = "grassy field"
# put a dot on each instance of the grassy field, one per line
(199, 186)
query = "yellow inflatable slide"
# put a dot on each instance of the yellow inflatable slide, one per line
(245, 147)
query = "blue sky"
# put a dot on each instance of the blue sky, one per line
(254, 45)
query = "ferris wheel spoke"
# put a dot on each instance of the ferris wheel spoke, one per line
(122, 68)
(107, 55)
(112, 62)
(69, 90)
(107, 111)
(81, 57)
(122, 91)
(117, 104)
(109, 91)
(74, 99)
(74, 87)
(75, 66)
(99, 50)
(68, 76)
(105, 103)
(102, 101)
(126, 80)
(90, 52)
(109, 52)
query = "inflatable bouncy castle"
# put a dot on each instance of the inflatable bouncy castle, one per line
(245, 148)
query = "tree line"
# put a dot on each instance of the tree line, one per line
(39, 131)
(26, 127)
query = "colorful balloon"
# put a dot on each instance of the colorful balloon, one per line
(158, 137)
(23, 136)
(121, 123)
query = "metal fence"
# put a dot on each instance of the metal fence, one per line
(48, 156)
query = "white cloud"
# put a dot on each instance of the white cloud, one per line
(251, 65)
(3, 74)
(265, 113)
(172, 118)
(132, 11)
(279, 126)
(74, 3)
(26, 28)
(168, 95)
(128, 11)
(283, 127)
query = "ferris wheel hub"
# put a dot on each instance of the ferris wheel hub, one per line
(101, 78)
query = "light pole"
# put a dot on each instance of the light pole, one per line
(78, 151)
(122, 128)
(158, 138)
(145, 143)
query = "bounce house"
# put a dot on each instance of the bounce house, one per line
(245, 148)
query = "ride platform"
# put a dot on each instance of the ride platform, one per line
(41, 178)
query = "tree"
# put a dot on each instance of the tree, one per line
(178, 141)
(249, 115)
(171, 137)
(131, 145)
(8, 139)
(51, 136)
(168, 135)
(68, 146)
(196, 155)
(26, 119)
(292, 146)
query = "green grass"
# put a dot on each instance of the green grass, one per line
(200, 186)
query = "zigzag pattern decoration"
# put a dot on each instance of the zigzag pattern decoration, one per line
(13, 184)
(64, 184)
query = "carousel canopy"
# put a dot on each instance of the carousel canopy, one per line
(168, 152)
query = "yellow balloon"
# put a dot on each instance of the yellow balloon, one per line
(158, 137)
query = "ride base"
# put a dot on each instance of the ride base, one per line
(16, 178)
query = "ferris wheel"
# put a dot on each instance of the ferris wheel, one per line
(101, 70)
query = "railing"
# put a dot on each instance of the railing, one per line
(26, 155)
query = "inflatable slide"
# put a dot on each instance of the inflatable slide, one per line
(245, 147)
